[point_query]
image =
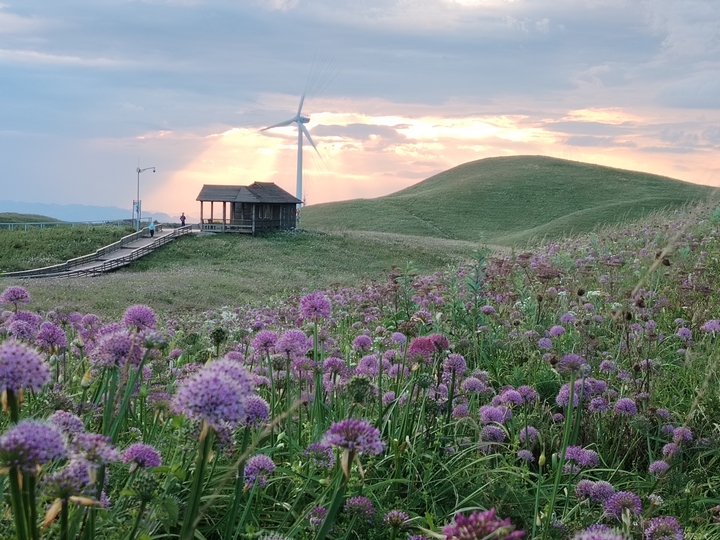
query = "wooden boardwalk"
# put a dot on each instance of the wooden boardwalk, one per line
(108, 258)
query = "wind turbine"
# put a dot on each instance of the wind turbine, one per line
(300, 120)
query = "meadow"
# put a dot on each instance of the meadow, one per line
(36, 248)
(567, 391)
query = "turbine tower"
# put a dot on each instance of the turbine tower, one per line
(300, 120)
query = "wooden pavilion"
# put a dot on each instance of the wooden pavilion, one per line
(262, 206)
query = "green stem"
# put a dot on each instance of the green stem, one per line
(64, 520)
(191, 514)
(561, 460)
(14, 406)
(16, 499)
(246, 511)
(136, 526)
(239, 484)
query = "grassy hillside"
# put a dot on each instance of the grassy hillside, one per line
(510, 201)
(35, 248)
(12, 217)
(197, 273)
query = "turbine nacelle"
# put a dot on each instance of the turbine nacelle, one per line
(303, 119)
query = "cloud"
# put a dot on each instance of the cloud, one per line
(358, 131)
(589, 140)
(35, 57)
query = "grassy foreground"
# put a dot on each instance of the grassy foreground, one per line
(570, 392)
(510, 201)
(13, 217)
(197, 273)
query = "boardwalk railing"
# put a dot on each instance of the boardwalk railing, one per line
(70, 268)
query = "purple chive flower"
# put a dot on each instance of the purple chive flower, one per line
(568, 318)
(682, 434)
(621, 501)
(572, 363)
(529, 433)
(599, 405)
(292, 343)
(96, 449)
(460, 411)
(397, 519)
(492, 434)
(315, 306)
(456, 363)
(625, 407)
(421, 348)
(663, 414)
(658, 468)
(526, 455)
(51, 337)
(598, 532)
(316, 516)
(30, 443)
(509, 397)
(711, 326)
(500, 414)
(21, 367)
(545, 343)
(362, 343)
(213, 396)
(257, 411)
(670, 450)
(360, 507)
(320, 454)
(473, 385)
(608, 366)
(368, 366)
(139, 317)
(72, 480)
(143, 455)
(67, 423)
(21, 330)
(487, 310)
(584, 488)
(265, 341)
(257, 469)
(664, 528)
(481, 525)
(116, 349)
(354, 435)
(581, 457)
(398, 338)
(528, 393)
(556, 331)
(601, 492)
(14, 295)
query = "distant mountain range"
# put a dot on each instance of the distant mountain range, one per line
(80, 212)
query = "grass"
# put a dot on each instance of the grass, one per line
(24, 250)
(510, 201)
(198, 273)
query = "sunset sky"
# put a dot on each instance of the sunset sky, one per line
(397, 90)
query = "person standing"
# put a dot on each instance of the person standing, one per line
(182, 219)
(151, 228)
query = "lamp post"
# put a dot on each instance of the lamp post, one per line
(138, 208)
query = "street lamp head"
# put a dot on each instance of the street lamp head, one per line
(153, 169)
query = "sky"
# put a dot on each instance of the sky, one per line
(396, 91)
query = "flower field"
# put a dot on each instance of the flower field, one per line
(567, 392)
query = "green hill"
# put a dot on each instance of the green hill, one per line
(509, 201)
(12, 217)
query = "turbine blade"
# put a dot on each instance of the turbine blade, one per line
(309, 138)
(281, 124)
(302, 99)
